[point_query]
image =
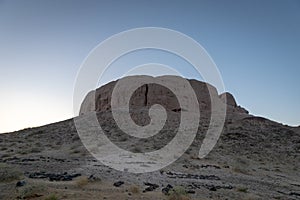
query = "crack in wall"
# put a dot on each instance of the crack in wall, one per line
(146, 95)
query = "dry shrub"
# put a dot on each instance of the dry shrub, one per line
(241, 166)
(31, 191)
(242, 189)
(52, 197)
(178, 193)
(9, 173)
(82, 181)
(134, 189)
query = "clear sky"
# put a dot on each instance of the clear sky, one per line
(255, 44)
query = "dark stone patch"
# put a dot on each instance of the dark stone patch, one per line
(151, 187)
(190, 191)
(295, 194)
(192, 176)
(20, 183)
(210, 187)
(167, 189)
(29, 160)
(118, 184)
(53, 177)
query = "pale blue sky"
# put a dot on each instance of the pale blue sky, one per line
(255, 44)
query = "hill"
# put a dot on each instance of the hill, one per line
(254, 158)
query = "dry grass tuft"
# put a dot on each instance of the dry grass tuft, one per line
(241, 166)
(31, 191)
(52, 197)
(242, 189)
(82, 181)
(178, 193)
(134, 189)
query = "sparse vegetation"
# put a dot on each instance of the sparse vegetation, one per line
(52, 197)
(248, 161)
(134, 189)
(242, 189)
(31, 191)
(241, 166)
(82, 181)
(178, 193)
(9, 173)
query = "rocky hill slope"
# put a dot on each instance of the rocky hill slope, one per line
(255, 158)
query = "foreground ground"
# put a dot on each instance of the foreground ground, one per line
(254, 159)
